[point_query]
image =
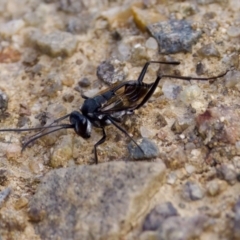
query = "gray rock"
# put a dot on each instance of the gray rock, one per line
(160, 121)
(149, 148)
(57, 43)
(79, 24)
(231, 60)
(84, 82)
(213, 188)
(192, 192)
(30, 57)
(11, 221)
(232, 78)
(12, 27)
(4, 195)
(52, 84)
(233, 31)
(110, 72)
(3, 176)
(200, 68)
(205, 2)
(180, 125)
(71, 6)
(158, 215)
(236, 227)
(179, 228)
(3, 101)
(209, 50)
(227, 173)
(68, 97)
(171, 90)
(174, 36)
(97, 202)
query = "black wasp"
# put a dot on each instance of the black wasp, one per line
(108, 107)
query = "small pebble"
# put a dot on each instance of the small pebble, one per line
(111, 71)
(79, 24)
(30, 57)
(231, 60)
(232, 78)
(13, 151)
(3, 101)
(3, 195)
(68, 81)
(116, 35)
(146, 132)
(21, 203)
(192, 192)
(52, 84)
(138, 52)
(56, 43)
(209, 15)
(228, 173)
(3, 176)
(174, 36)
(181, 124)
(200, 69)
(68, 97)
(179, 228)
(71, 6)
(36, 215)
(209, 50)
(236, 223)
(149, 148)
(123, 51)
(171, 178)
(170, 90)
(42, 117)
(35, 167)
(234, 5)
(160, 121)
(22, 121)
(213, 188)
(12, 27)
(62, 152)
(84, 82)
(233, 32)
(190, 93)
(151, 43)
(105, 71)
(236, 162)
(158, 215)
(190, 169)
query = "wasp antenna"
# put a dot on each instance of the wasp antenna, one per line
(60, 119)
(189, 78)
(35, 128)
(64, 126)
(163, 62)
(28, 129)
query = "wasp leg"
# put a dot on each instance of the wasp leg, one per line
(102, 140)
(145, 67)
(150, 93)
(124, 131)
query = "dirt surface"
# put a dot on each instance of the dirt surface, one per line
(53, 51)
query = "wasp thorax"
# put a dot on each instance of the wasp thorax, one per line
(81, 124)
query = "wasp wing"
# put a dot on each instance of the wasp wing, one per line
(124, 96)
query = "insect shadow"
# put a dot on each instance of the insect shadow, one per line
(108, 107)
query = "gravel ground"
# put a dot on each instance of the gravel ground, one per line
(186, 185)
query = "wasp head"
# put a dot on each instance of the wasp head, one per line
(82, 125)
